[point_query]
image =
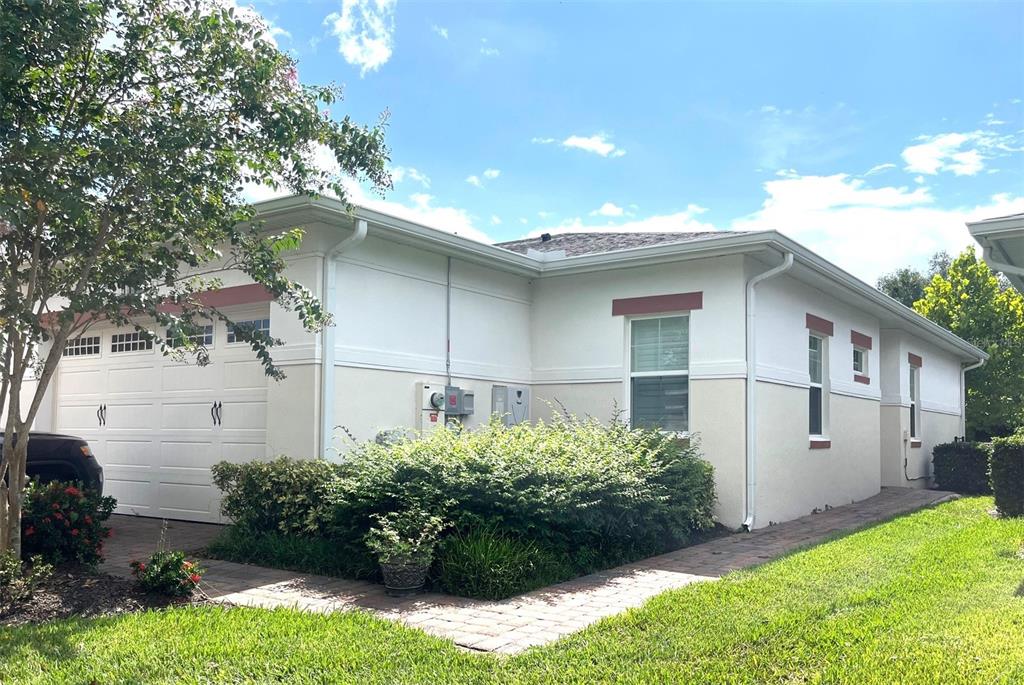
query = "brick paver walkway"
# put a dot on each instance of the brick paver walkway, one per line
(511, 625)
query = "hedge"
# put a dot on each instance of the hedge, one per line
(580, 490)
(962, 467)
(1008, 474)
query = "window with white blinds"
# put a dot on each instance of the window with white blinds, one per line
(659, 351)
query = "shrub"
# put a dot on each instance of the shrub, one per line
(168, 573)
(962, 467)
(284, 495)
(18, 581)
(486, 563)
(62, 523)
(1008, 474)
(304, 553)
(406, 537)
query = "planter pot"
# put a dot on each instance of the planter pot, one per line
(402, 579)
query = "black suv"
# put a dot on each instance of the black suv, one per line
(52, 456)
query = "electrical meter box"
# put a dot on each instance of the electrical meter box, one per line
(430, 404)
(511, 403)
(458, 402)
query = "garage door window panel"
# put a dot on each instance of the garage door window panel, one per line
(83, 346)
(261, 325)
(129, 342)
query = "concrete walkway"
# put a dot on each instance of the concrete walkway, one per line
(511, 625)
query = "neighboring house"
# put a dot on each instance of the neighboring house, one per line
(848, 390)
(1002, 242)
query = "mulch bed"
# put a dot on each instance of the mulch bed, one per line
(80, 593)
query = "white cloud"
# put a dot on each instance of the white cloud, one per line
(684, 221)
(867, 231)
(488, 51)
(597, 144)
(421, 210)
(440, 30)
(474, 181)
(365, 31)
(879, 168)
(963, 154)
(492, 173)
(401, 173)
(489, 174)
(495, 220)
(608, 209)
(991, 120)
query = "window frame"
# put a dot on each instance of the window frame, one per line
(79, 339)
(865, 364)
(914, 392)
(231, 334)
(822, 385)
(630, 374)
(208, 333)
(147, 344)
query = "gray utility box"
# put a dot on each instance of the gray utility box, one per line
(511, 403)
(458, 402)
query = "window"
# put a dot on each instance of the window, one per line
(659, 384)
(915, 401)
(818, 391)
(860, 361)
(203, 336)
(129, 342)
(261, 325)
(81, 346)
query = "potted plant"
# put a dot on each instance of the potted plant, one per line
(404, 542)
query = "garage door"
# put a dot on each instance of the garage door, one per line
(157, 425)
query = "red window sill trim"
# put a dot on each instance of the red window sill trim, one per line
(821, 444)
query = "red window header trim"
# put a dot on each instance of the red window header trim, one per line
(820, 325)
(657, 304)
(860, 340)
(914, 359)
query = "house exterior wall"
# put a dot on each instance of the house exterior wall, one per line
(792, 478)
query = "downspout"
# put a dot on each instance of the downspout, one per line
(329, 301)
(751, 425)
(448, 324)
(963, 394)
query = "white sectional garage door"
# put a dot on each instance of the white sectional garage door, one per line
(153, 422)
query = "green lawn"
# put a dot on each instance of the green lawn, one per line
(934, 597)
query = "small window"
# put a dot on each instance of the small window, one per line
(129, 342)
(860, 361)
(817, 413)
(203, 336)
(82, 346)
(915, 402)
(261, 325)
(659, 373)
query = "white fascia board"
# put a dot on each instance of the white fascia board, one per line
(285, 211)
(991, 232)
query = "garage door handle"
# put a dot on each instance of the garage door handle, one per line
(101, 415)
(215, 412)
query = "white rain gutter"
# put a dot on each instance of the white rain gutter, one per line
(749, 501)
(963, 394)
(329, 301)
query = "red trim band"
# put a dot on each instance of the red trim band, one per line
(820, 325)
(860, 340)
(914, 360)
(657, 304)
(821, 444)
(857, 378)
(228, 297)
(915, 443)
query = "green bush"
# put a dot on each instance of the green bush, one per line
(486, 563)
(18, 581)
(304, 553)
(291, 496)
(595, 494)
(1008, 474)
(962, 467)
(64, 524)
(168, 573)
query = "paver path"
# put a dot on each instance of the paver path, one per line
(511, 625)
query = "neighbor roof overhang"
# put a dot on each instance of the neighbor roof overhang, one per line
(1002, 240)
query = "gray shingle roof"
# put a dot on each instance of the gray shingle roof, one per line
(576, 244)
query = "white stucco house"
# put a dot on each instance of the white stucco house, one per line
(1002, 243)
(806, 387)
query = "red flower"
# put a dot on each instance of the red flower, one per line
(195, 578)
(74, 532)
(30, 531)
(59, 516)
(142, 568)
(46, 519)
(72, 490)
(108, 533)
(56, 506)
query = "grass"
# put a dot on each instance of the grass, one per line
(936, 596)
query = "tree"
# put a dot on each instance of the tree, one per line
(128, 129)
(906, 285)
(971, 302)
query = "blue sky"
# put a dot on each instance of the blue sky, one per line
(869, 132)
